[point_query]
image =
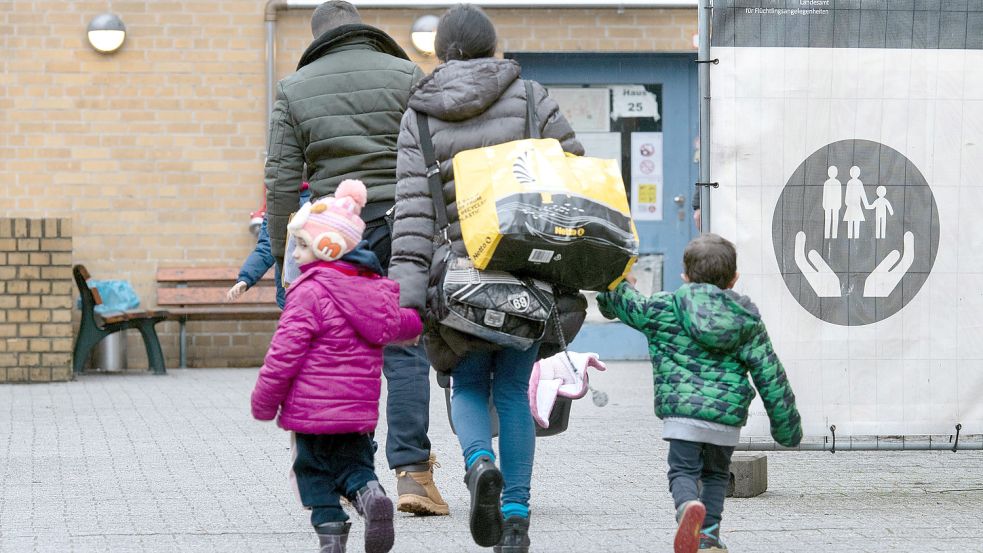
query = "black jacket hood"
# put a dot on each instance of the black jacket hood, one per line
(342, 34)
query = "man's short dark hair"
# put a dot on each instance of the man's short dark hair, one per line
(710, 259)
(331, 14)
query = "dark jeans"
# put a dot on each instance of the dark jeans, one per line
(695, 464)
(329, 466)
(407, 372)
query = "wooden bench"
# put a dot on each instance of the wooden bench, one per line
(198, 294)
(95, 327)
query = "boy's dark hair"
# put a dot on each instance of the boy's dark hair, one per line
(710, 259)
(331, 14)
(464, 33)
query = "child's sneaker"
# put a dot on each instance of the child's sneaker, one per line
(377, 510)
(485, 483)
(710, 540)
(690, 518)
(333, 536)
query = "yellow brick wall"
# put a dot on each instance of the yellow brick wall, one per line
(35, 300)
(156, 152)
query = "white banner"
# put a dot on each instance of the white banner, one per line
(848, 144)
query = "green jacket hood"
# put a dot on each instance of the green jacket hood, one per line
(719, 320)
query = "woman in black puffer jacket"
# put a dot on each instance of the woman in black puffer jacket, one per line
(473, 100)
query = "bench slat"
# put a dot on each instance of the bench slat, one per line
(214, 296)
(191, 275)
(133, 314)
(244, 312)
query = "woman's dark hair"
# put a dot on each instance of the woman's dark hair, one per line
(464, 33)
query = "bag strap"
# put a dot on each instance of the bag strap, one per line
(532, 122)
(433, 173)
(554, 316)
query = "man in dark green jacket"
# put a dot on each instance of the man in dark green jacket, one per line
(339, 115)
(704, 341)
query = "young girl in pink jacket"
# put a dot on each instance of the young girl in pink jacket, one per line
(324, 366)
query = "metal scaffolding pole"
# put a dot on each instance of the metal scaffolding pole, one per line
(703, 188)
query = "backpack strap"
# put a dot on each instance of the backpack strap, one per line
(433, 173)
(433, 168)
(532, 122)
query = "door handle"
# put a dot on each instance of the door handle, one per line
(680, 200)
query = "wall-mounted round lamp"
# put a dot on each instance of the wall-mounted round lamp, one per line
(106, 32)
(423, 34)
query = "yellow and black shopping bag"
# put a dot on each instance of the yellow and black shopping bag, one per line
(527, 207)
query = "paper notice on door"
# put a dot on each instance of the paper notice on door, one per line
(633, 101)
(586, 109)
(646, 176)
(604, 145)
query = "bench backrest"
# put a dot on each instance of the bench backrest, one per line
(201, 286)
(90, 296)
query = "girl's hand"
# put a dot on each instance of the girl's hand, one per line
(236, 291)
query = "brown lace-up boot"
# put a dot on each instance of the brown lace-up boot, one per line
(417, 492)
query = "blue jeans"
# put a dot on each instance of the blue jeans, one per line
(504, 376)
(693, 465)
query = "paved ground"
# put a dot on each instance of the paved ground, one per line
(121, 463)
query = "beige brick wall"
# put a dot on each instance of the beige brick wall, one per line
(35, 300)
(155, 152)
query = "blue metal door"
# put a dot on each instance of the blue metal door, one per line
(674, 77)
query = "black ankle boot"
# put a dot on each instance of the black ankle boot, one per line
(377, 510)
(485, 482)
(333, 536)
(515, 536)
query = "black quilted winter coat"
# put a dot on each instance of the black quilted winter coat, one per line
(473, 103)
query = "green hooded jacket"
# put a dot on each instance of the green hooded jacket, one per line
(704, 342)
(339, 114)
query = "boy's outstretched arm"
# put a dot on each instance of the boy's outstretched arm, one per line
(629, 306)
(769, 378)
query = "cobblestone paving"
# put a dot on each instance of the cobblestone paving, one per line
(128, 463)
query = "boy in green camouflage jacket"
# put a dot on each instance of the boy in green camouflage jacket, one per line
(704, 340)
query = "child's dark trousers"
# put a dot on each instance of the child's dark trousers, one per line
(693, 465)
(329, 466)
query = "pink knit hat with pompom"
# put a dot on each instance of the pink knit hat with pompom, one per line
(332, 225)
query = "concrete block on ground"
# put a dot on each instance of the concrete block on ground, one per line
(748, 475)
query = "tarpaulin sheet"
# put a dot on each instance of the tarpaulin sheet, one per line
(847, 138)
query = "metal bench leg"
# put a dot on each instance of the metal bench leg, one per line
(183, 346)
(155, 356)
(88, 337)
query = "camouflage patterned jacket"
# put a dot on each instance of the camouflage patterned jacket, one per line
(703, 342)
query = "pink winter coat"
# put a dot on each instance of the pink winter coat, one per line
(323, 370)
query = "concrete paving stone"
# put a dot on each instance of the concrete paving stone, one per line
(126, 462)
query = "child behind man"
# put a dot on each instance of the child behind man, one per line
(704, 339)
(324, 367)
(261, 259)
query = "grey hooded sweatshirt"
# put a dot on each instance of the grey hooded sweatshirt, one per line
(471, 104)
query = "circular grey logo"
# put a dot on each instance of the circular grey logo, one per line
(856, 232)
